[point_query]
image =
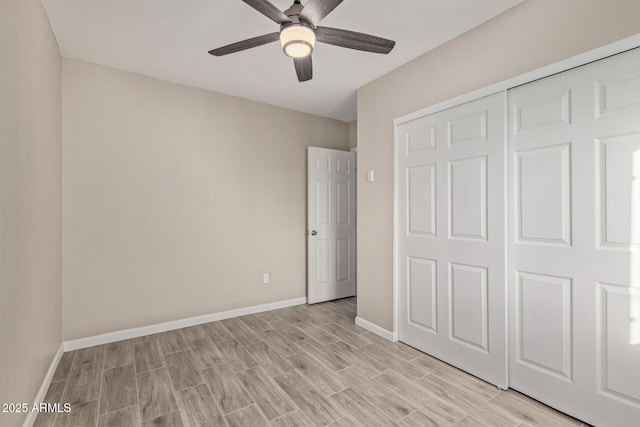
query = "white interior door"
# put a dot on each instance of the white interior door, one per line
(574, 240)
(331, 234)
(450, 236)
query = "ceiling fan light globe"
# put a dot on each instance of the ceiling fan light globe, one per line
(297, 40)
(297, 49)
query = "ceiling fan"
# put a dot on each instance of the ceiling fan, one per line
(299, 31)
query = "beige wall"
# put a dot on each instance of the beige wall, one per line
(177, 200)
(353, 134)
(30, 192)
(529, 36)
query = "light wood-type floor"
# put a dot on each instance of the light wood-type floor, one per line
(303, 365)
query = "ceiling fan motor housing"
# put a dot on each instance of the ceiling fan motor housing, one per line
(294, 11)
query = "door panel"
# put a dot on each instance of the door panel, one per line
(421, 197)
(468, 305)
(543, 178)
(451, 236)
(574, 162)
(422, 293)
(468, 198)
(331, 221)
(544, 337)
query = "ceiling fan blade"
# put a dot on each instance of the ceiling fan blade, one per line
(315, 10)
(245, 44)
(353, 40)
(304, 68)
(266, 8)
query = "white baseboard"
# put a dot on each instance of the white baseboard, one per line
(44, 387)
(177, 324)
(378, 330)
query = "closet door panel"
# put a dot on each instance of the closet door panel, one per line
(450, 173)
(573, 199)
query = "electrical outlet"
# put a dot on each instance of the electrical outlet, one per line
(265, 278)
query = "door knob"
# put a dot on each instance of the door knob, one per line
(314, 232)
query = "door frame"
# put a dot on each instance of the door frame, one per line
(597, 54)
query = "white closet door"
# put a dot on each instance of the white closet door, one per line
(574, 240)
(450, 234)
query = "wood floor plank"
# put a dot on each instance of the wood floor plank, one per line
(82, 415)
(398, 348)
(287, 330)
(64, 366)
(269, 397)
(118, 354)
(345, 422)
(183, 371)
(525, 412)
(83, 384)
(471, 421)
(155, 396)
(118, 389)
(542, 407)
(255, 323)
(439, 411)
(268, 316)
(198, 407)
(195, 332)
(394, 362)
(89, 355)
(227, 388)
(205, 352)
(169, 420)
(330, 359)
(470, 403)
(325, 310)
(316, 315)
(240, 331)
(55, 392)
(146, 355)
(249, 416)
(357, 358)
(433, 365)
(317, 333)
(295, 418)
(360, 409)
(392, 404)
(325, 380)
(293, 315)
(124, 417)
(236, 355)
(171, 342)
(285, 347)
(270, 361)
(469, 382)
(349, 324)
(334, 311)
(319, 409)
(420, 419)
(345, 335)
(217, 331)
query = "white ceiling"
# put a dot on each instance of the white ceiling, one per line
(169, 40)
